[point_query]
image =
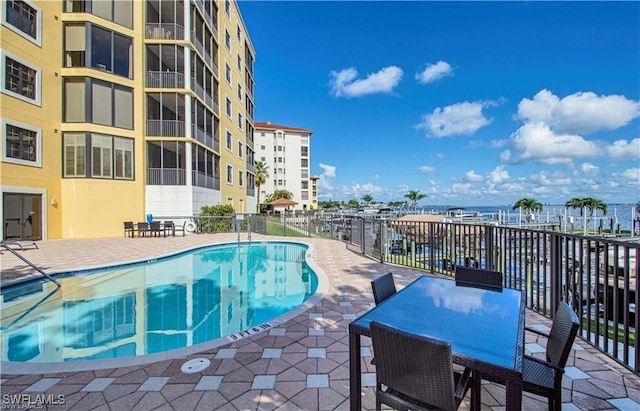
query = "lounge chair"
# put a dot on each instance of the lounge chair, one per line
(19, 244)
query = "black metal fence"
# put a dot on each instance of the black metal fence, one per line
(596, 275)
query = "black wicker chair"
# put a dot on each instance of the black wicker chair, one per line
(479, 278)
(383, 287)
(544, 377)
(415, 371)
(129, 229)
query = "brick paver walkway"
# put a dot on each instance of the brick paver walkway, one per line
(301, 364)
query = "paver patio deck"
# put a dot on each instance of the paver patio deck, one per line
(302, 364)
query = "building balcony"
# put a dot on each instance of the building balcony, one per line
(205, 138)
(164, 31)
(201, 179)
(201, 92)
(166, 177)
(164, 79)
(165, 128)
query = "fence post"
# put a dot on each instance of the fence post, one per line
(556, 272)
(488, 244)
(382, 233)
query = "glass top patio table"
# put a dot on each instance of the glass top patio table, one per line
(485, 328)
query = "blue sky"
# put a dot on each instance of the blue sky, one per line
(473, 103)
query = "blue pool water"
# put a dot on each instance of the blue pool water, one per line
(229, 290)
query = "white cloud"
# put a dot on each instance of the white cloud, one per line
(544, 178)
(537, 142)
(624, 150)
(499, 143)
(426, 170)
(434, 72)
(632, 174)
(328, 171)
(579, 113)
(589, 169)
(498, 175)
(325, 189)
(473, 177)
(344, 83)
(458, 119)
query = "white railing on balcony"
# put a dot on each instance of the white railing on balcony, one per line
(164, 79)
(201, 179)
(166, 177)
(164, 31)
(165, 128)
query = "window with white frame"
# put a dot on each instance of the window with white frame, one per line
(240, 178)
(24, 18)
(239, 92)
(227, 73)
(240, 121)
(240, 149)
(228, 106)
(239, 63)
(229, 174)
(22, 144)
(20, 79)
(227, 39)
(229, 141)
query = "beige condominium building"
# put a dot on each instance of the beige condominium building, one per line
(287, 153)
(115, 109)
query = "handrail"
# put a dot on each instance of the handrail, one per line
(14, 252)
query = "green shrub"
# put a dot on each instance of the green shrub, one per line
(216, 218)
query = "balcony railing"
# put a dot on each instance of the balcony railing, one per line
(164, 79)
(166, 177)
(201, 92)
(203, 137)
(164, 31)
(165, 128)
(597, 276)
(201, 179)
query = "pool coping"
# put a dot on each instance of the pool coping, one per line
(12, 367)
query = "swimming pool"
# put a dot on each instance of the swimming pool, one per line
(178, 304)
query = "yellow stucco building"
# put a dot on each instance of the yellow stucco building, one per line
(112, 110)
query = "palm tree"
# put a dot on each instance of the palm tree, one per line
(367, 199)
(528, 205)
(592, 204)
(415, 196)
(261, 177)
(353, 203)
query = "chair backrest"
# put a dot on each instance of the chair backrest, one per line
(417, 366)
(168, 224)
(128, 225)
(475, 277)
(563, 333)
(383, 287)
(143, 226)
